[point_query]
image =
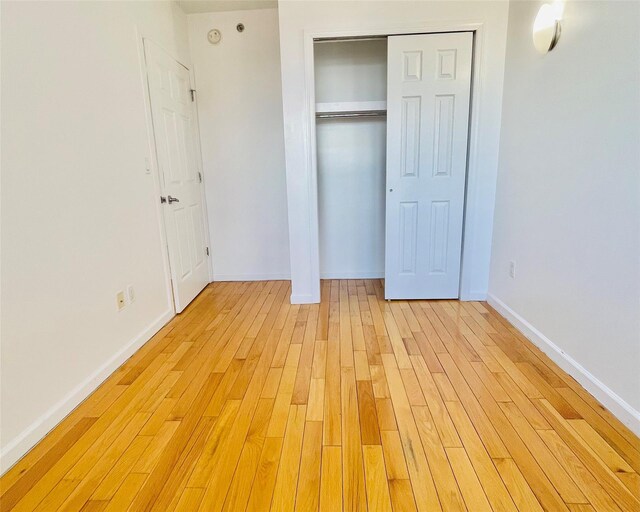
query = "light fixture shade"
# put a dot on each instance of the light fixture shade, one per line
(546, 29)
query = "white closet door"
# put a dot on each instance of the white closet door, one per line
(175, 135)
(428, 89)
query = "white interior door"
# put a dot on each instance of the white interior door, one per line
(428, 90)
(175, 132)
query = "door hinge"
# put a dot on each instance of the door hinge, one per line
(193, 94)
(200, 177)
(207, 250)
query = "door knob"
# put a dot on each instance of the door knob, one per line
(172, 199)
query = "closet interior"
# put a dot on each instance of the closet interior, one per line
(351, 132)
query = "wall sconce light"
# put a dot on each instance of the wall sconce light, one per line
(546, 27)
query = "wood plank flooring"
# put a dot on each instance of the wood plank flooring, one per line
(246, 402)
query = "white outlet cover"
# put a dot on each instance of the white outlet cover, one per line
(214, 36)
(120, 301)
(131, 293)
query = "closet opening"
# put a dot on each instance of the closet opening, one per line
(351, 128)
(391, 143)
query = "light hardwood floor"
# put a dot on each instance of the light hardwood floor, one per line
(245, 402)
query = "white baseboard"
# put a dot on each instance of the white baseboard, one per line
(29, 437)
(251, 277)
(605, 395)
(352, 275)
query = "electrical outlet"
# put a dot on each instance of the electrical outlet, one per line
(131, 293)
(120, 300)
(512, 269)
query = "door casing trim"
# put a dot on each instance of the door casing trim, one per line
(470, 210)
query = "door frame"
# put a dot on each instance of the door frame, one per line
(472, 176)
(154, 168)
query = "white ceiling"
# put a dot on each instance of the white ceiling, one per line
(198, 6)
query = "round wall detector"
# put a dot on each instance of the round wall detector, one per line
(214, 36)
(240, 27)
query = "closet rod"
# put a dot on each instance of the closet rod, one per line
(348, 38)
(368, 113)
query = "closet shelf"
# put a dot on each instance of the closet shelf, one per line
(351, 108)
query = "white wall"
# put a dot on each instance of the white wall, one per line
(240, 115)
(373, 16)
(351, 160)
(351, 198)
(79, 213)
(350, 70)
(568, 199)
